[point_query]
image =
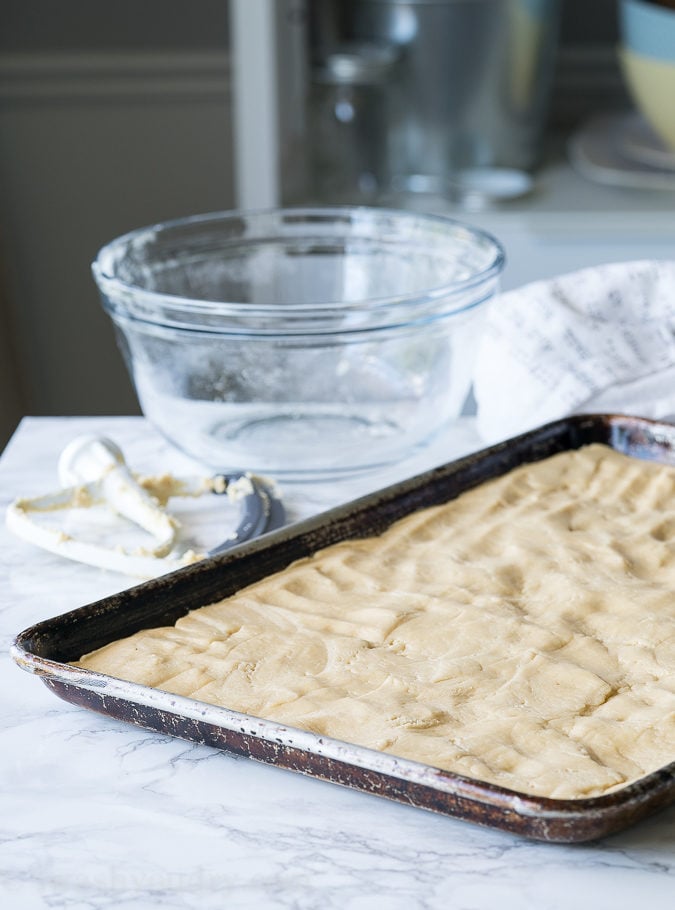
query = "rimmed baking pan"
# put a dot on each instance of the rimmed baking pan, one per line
(47, 648)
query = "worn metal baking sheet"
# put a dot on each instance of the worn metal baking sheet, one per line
(46, 649)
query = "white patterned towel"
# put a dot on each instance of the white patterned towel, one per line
(598, 340)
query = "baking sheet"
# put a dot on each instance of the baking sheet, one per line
(46, 649)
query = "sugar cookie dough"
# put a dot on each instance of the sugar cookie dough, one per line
(522, 634)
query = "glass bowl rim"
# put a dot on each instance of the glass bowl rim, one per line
(119, 289)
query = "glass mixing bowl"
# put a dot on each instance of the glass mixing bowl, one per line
(300, 343)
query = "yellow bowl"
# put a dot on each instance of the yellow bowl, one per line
(652, 85)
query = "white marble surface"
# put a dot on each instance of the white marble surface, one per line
(95, 814)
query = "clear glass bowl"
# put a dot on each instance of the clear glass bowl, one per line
(300, 342)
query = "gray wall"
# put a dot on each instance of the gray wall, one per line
(111, 116)
(95, 25)
(589, 22)
(588, 77)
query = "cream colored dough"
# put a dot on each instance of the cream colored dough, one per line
(522, 634)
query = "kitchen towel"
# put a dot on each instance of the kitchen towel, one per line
(598, 340)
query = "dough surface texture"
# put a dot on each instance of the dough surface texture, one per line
(522, 634)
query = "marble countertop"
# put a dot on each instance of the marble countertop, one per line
(96, 814)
